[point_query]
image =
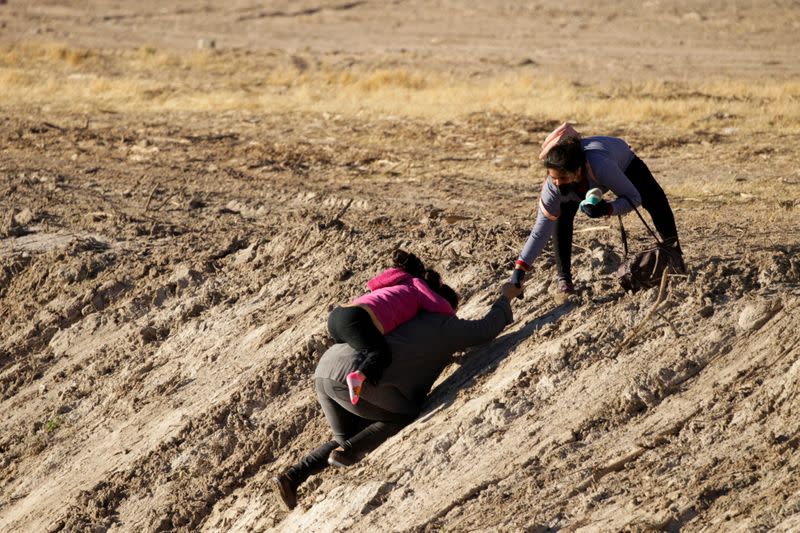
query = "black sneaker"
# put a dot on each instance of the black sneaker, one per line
(677, 262)
(285, 491)
(341, 458)
(565, 286)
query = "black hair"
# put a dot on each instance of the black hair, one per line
(566, 155)
(446, 292)
(414, 266)
(408, 262)
(434, 281)
(432, 278)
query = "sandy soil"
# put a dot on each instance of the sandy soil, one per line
(602, 39)
(165, 281)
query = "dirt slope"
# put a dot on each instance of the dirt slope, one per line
(165, 279)
(160, 340)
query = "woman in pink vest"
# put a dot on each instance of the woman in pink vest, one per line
(396, 296)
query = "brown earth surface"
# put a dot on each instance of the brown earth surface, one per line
(166, 275)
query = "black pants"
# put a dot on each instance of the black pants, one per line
(654, 201)
(354, 326)
(357, 428)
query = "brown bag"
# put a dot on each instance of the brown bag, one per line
(644, 269)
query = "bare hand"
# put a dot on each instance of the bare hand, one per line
(510, 291)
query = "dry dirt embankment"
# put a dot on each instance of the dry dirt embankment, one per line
(173, 230)
(164, 290)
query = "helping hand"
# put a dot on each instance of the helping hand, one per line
(511, 291)
(516, 280)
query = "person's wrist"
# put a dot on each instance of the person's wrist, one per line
(505, 292)
(517, 276)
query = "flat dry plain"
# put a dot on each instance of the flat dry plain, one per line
(177, 221)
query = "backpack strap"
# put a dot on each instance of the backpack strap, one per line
(624, 235)
(646, 225)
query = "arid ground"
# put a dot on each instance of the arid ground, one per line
(187, 188)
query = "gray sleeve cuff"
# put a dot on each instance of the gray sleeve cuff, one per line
(505, 306)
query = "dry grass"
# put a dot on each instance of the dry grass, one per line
(150, 80)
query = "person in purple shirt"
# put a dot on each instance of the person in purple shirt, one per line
(574, 166)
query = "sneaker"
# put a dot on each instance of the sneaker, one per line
(678, 263)
(285, 491)
(565, 286)
(341, 458)
(681, 266)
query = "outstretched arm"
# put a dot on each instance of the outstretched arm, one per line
(540, 233)
(466, 333)
(547, 213)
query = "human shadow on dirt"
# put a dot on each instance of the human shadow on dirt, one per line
(485, 359)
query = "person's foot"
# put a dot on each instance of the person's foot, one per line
(565, 286)
(285, 491)
(341, 458)
(681, 266)
(677, 262)
(565, 291)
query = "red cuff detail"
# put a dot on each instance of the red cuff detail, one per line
(523, 265)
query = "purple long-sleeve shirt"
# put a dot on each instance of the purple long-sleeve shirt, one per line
(607, 158)
(397, 297)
